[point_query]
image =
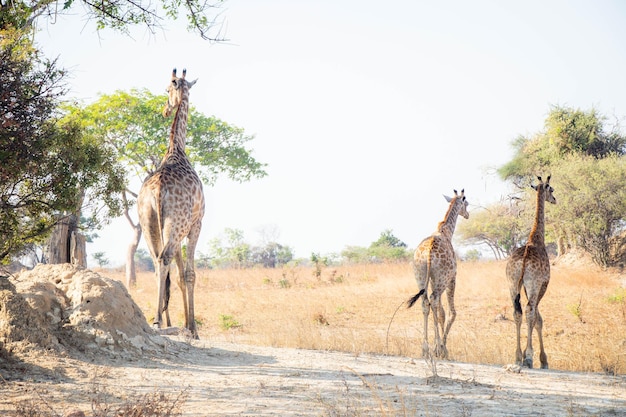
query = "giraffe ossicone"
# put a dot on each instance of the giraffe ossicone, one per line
(434, 264)
(171, 207)
(529, 267)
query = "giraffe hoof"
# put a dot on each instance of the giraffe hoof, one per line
(528, 362)
(441, 352)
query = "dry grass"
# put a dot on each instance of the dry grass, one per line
(349, 309)
(152, 404)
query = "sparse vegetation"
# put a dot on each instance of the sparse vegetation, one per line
(105, 404)
(228, 322)
(280, 315)
(354, 317)
(577, 309)
(619, 297)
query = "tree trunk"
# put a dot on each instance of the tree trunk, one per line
(78, 249)
(131, 275)
(58, 244)
(66, 244)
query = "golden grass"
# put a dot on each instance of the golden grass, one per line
(350, 308)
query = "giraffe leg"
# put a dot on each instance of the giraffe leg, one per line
(162, 272)
(452, 313)
(435, 302)
(517, 316)
(543, 358)
(531, 319)
(152, 237)
(426, 311)
(443, 351)
(190, 276)
(166, 299)
(181, 280)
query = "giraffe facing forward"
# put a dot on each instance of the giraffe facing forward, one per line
(529, 267)
(171, 207)
(434, 262)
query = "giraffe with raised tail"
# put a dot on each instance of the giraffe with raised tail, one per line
(434, 263)
(171, 206)
(529, 267)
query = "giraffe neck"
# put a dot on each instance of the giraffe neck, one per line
(178, 132)
(538, 231)
(449, 221)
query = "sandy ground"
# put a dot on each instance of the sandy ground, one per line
(219, 379)
(71, 339)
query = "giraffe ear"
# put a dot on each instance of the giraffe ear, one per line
(534, 187)
(190, 84)
(448, 199)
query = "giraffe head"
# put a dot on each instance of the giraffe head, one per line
(460, 201)
(546, 189)
(176, 91)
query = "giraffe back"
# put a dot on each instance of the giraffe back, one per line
(434, 257)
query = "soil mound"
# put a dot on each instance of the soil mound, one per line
(63, 308)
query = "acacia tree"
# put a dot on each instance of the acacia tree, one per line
(130, 124)
(592, 204)
(500, 227)
(586, 157)
(566, 132)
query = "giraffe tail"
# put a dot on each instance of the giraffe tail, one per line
(516, 303)
(414, 299)
(168, 284)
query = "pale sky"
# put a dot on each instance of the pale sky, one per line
(366, 112)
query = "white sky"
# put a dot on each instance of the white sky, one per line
(366, 111)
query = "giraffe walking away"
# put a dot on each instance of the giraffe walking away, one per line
(529, 267)
(171, 206)
(434, 262)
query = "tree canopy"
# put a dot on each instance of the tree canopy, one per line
(131, 124)
(203, 17)
(591, 208)
(586, 156)
(567, 131)
(47, 166)
(55, 161)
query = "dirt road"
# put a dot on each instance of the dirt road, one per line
(223, 379)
